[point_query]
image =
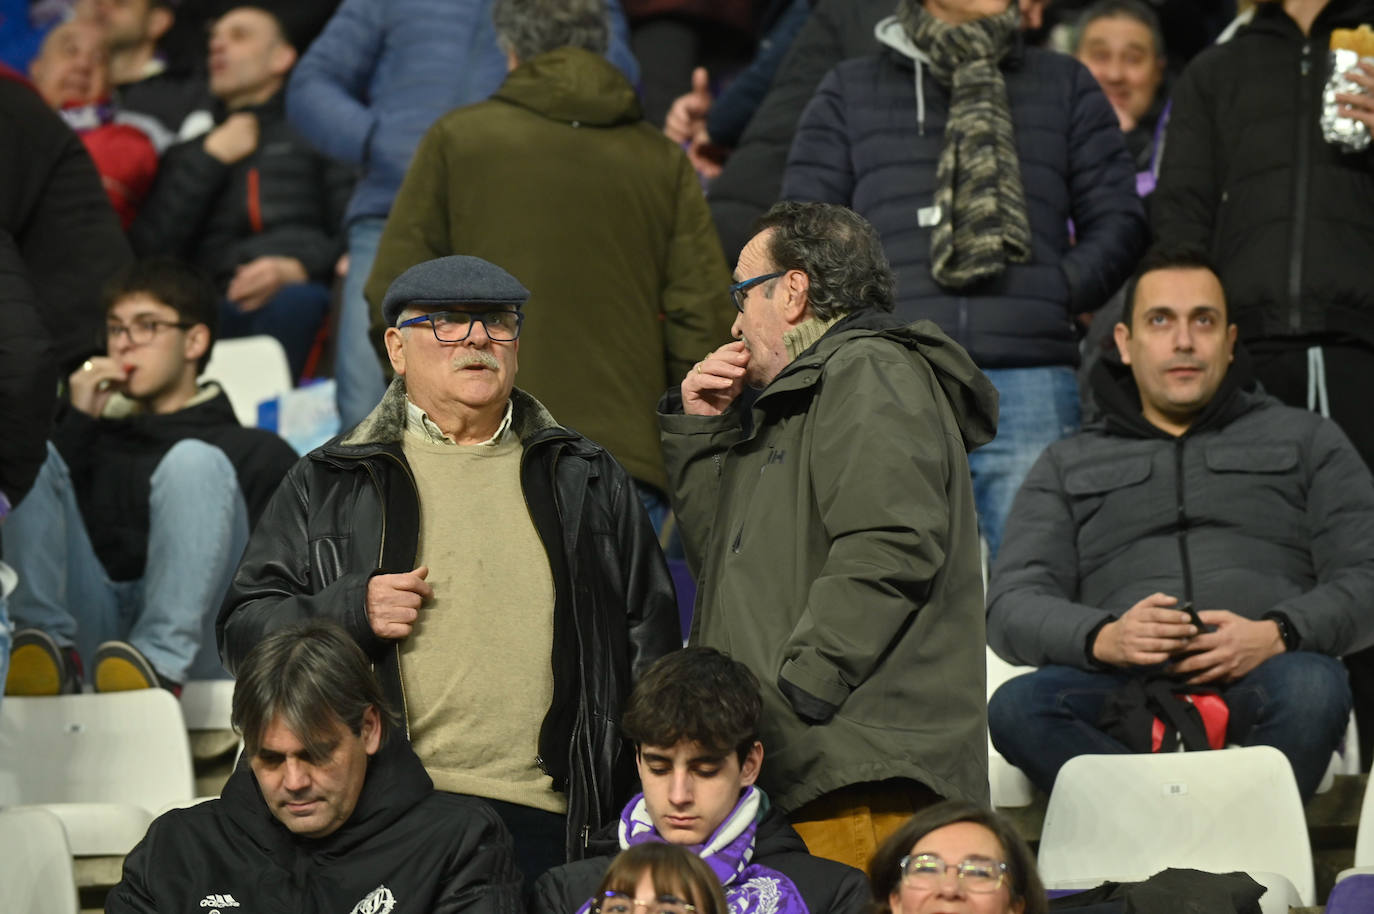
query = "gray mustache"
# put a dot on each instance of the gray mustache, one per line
(485, 359)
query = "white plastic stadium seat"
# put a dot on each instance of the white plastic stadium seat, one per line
(35, 863)
(1010, 786)
(207, 704)
(1126, 817)
(250, 369)
(104, 763)
(1364, 837)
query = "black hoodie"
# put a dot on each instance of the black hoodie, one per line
(405, 848)
(112, 460)
(1258, 508)
(1288, 218)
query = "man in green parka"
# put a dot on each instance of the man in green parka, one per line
(558, 179)
(836, 545)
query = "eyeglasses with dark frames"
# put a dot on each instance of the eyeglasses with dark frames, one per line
(141, 331)
(740, 289)
(501, 326)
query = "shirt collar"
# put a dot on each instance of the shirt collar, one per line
(419, 422)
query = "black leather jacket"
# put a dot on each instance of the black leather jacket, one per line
(350, 509)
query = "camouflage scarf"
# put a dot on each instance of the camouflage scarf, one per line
(978, 195)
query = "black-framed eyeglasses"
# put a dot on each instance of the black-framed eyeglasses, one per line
(976, 874)
(740, 289)
(141, 331)
(502, 326)
(620, 903)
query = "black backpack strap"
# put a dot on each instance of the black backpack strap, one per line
(1127, 718)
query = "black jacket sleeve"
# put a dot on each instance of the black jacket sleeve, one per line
(273, 586)
(482, 879)
(28, 377)
(58, 221)
(649, 593)
(752, 179)
(189, 180)
(1183, 207)
(564, 889)
(1109, 219)
(134, 894)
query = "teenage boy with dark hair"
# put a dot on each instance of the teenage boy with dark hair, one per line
(126, 543)
(694, 719)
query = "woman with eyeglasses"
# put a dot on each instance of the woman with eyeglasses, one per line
(657, 879)
(956, 857)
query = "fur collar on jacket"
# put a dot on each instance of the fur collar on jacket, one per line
(386, 424)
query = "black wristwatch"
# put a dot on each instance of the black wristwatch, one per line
(1289, 634)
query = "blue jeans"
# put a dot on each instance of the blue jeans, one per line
(1037, 407)
(357, 373)
(198, 527)
(1299, 703)
(293, 316)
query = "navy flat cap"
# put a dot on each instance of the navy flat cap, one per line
(454, 280)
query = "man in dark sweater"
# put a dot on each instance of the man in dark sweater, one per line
(694, 718)
(1195, 489)
(127, 540)
(329, 810)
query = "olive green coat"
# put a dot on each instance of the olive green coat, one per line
(836, 551)
(559, 180)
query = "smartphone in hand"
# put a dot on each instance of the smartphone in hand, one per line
(1196, 619)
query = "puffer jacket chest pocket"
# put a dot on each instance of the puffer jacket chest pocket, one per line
(1256, 488)
(1226, 457)
(1107, 499)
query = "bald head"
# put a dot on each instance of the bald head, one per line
(72, 66)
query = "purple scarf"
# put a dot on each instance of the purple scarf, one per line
(750, 888)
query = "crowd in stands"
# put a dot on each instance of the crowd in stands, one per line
(875, 333)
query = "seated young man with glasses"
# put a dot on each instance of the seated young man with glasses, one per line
(496, 566)
(125, 544)
(694, 719)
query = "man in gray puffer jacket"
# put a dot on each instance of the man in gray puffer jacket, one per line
(1195, 488)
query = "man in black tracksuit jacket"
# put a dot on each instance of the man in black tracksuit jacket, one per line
(1288, 219)
(324, 813)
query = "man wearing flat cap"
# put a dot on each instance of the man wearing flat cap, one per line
(496, 567)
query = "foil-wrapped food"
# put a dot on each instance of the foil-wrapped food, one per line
(1348, 47)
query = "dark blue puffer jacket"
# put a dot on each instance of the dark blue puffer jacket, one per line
(871, 137)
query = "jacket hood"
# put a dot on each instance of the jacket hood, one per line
(890, 33)
(396, 781)
(971, 396)
(208, 411)
(1118, 397)
(574, 86)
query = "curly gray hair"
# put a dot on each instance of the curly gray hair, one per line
(839, 252)
(528, 28)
